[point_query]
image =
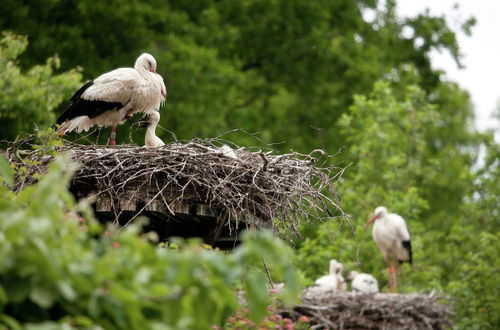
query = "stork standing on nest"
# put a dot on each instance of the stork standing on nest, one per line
(151, 140)
(114, 97)
(391, 235)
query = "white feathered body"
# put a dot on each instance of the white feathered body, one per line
(334, 281)
(113, 97)
(389, 233)
(363, 283)
(331, 283)
(151, 140)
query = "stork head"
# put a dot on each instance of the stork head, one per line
(379, 213)
(335, 267)
(146, 62)
(352, 275)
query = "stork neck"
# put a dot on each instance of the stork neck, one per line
(151, 131)
(143, 72)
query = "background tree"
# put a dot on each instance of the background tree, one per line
(278, 67)
(401, 157)
(29, 98)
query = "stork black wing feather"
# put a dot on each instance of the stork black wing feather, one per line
(82, 107)
(407, 246)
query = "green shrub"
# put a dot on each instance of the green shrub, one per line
(59, 265)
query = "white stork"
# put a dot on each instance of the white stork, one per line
(151, 140)
(391, 235)
(114, 97)
(333, 281)
(327, 284)
(362, 282)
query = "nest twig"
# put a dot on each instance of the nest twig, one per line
(278, 189)
(347, 310)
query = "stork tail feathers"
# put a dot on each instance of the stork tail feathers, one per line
(407, 247)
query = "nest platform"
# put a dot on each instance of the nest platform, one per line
(349, 310)
(193, 188)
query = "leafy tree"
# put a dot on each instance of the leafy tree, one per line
(405, 156)
(279, 67)
(29, 98)
(473, 246)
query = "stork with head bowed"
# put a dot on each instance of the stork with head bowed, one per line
(151, 140)
(114, 97)
(391, 235)
(362, 282)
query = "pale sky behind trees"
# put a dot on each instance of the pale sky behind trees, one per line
(481, 51)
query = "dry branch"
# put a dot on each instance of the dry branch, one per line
(277, 189)
(348, 310)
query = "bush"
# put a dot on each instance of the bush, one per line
(57, 264)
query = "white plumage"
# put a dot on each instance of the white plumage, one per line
(228, 151)
(334, 280)
(163, 89)
(324, 285)
(151, 140)
(391, 235)
(362, 282)
(114, 97)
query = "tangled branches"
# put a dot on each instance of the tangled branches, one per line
(346, 310)
(275, 189)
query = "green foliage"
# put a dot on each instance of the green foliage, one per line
(475, 283)
(278, 67)
(57, 264)
(287, 69)
(385, 135)
(472, 253)
(406, 154)
(29, 98)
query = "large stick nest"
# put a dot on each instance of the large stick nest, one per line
(277, 189)
(348, 310)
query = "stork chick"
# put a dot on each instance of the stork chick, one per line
(362, 282)
(151, 140)
(334, 280)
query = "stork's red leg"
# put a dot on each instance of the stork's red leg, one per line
(389, 273)
(111, 140)
(395, 282)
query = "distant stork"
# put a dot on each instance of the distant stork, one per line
(151, 140)
(393, 239)
(114, 97)
(362, 282)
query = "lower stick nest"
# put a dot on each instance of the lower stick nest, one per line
(277, 189)
(346, 310)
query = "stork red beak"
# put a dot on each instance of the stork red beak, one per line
(154, 71)
(371, 221)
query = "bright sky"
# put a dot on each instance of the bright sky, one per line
(481, 76)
